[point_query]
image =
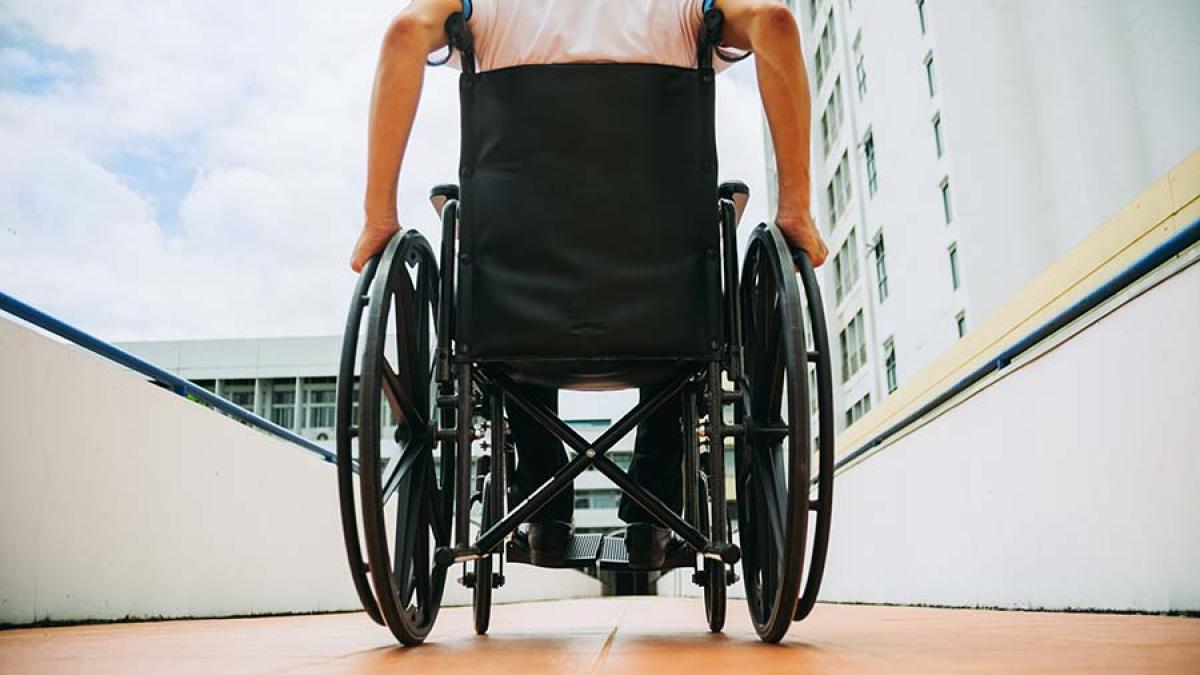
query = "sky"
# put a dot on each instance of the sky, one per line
(195, 169)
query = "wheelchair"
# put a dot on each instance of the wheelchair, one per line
(586, 246)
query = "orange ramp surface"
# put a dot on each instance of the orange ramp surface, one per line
(623, 635)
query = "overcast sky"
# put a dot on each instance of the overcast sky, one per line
(195, 169)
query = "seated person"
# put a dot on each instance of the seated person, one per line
(518, 32)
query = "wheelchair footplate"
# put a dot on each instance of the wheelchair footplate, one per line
(597, 550)
(613, 556)
(583, 550)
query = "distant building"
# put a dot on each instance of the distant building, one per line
(959, 147)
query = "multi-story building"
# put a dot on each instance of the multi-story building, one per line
(293, 382)
(961, 147)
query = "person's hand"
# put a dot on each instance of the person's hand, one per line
(375, 235)
(800, 230)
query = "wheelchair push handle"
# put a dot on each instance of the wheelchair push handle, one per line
(440, 194)
(737, 192)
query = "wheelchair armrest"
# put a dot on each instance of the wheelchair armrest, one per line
(737, 192)
(440, 194)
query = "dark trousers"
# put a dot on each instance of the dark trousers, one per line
(657, 455)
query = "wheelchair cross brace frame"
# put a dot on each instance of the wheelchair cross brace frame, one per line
(594, 455)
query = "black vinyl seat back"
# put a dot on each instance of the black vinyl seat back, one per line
(589, 252)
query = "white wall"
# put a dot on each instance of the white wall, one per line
(1069, 483)
(119, 499)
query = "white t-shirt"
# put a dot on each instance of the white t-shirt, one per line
(525, 32)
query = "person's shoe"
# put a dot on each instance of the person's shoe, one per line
(548, 542)
(647, 545)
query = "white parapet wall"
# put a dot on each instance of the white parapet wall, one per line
(119, 499)
(1071, 482)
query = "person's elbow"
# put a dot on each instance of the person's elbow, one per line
(407, 31)
(773, 19)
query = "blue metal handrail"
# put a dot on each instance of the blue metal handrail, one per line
(177, 384)
(1178, 243)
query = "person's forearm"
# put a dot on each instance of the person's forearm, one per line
(398, 80)
(783, 85)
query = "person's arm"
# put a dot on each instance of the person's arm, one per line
(411, 37)
(768, 28)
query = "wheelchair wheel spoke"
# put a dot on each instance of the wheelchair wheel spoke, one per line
(770, 485)
(400, 469)
(408, 530)
(439, 525)
(399, 398)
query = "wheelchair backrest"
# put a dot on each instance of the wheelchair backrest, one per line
(588, 214)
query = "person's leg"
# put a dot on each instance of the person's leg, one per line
(657, 458)
(539, 452)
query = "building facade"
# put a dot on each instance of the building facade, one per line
(961, 147)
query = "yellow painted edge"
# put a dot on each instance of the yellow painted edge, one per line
(1170, 203)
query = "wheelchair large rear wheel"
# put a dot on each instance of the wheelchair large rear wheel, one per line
(345, 433)
(403, 505)
(774, 458)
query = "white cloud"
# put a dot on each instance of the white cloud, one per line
(265, 106)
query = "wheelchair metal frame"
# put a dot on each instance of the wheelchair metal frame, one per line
(590, 454)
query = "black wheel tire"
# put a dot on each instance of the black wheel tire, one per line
(408, 586)
(773, 460)
(345, 431)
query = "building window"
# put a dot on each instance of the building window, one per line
(954, 281)
(831, 119)
(819, 59)
(960, 322)
(853, 342)
(239, 393)
(860, 68)
(837, 193)
(845, 266)
(881, 278)
(283, 403)
(947, 211)
(861, 407)
(889, 364)
(825, 48)
(596, 499)
(869, 156)
(937, 135)
(921, 14)
(320, 398)
(930, 75)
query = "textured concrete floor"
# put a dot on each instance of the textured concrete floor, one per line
(624, 635)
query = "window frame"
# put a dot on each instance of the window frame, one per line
(931, 74)
(889, 365)
(939, 143)
(947, 201)
(870, 160)
(955, 275)
(879, 250)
